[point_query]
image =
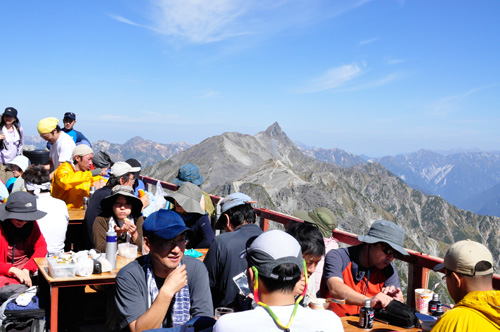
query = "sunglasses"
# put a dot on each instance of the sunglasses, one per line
(387, 250)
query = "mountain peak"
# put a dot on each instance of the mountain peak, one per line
(274, 131)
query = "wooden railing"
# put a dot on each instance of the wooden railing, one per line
(419, 264)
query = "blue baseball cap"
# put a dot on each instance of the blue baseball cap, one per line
(166, 224)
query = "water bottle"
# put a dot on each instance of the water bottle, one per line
(366, 315)
(91, 191)
(111, 247)
(433, 304)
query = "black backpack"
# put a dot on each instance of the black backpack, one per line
(18, 318)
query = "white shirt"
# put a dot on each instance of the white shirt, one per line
(258, 319)
(62, 150)
(55, 224)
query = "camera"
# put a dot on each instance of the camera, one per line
(97, 267)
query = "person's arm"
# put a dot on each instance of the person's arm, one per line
(21, 141)
(154, 316)
(207, 232)
(67, 178)
(391, 284)
(37, 242)
(199, 288)
(210, 262)
(99, 230)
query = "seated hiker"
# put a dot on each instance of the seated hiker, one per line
(18, 166)
(20, 239)
(313, 249)
(223, 260)
(55, 223)
(72, 181)
(275, 265)
(324, 219)
(121, 211)
(164, 288)
(190, 173)
(348, 270)
(120, 173)
(187, 204)
(468, 269)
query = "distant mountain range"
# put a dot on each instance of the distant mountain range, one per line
(145, 151)
(272, 170)
(469, 180)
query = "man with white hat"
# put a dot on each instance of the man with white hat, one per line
(121, 173)
(61, 144)
(365, 271)
(72, 181)
(468, 269)
(223, 258)
(275, 265)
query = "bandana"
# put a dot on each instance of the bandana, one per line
(36, 188)
(181, 305)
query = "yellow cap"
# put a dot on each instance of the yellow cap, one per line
(47, 125)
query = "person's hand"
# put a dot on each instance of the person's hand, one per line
(22, 275)
(145, 201)
(2, 136)
(299, 286)
(175, 281)
(394, 292)
(98, 184)
(103, 172)
(127, 227)
(380, 300)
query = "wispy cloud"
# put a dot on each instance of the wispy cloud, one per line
(368, 41)
(208, 21)
(373, 84)
(209, 94)
(450, 104)
(333, 78)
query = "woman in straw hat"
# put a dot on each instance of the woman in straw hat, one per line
(20, 239)
(121, 211)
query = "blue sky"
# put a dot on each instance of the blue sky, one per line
(369, 77)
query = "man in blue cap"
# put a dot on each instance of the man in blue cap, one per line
(365, 271)
(163, 288)
(223, 258)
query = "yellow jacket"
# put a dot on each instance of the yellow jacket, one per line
(477, 311)
(72, 186)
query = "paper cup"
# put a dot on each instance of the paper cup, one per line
(422, 299)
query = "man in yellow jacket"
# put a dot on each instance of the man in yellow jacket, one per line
(468, 268)
(72, 181)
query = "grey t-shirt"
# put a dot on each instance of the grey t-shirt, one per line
(131, 297)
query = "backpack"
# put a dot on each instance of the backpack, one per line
(18, 318)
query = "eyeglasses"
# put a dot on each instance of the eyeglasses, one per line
(446, 275)
(387, 250)
(171, 244)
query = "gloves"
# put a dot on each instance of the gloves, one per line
(96, 171)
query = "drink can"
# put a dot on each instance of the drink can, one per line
(85, 203)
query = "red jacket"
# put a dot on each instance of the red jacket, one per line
(37, 247)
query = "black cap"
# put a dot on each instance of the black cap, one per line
(11, 111)
(70, 115)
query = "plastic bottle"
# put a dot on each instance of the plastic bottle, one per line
(433, 304)
(366, 315)
(91, 191)
(111, 246)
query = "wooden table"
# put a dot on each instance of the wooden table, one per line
(351, 324)
(56, 283)
(76, 216)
